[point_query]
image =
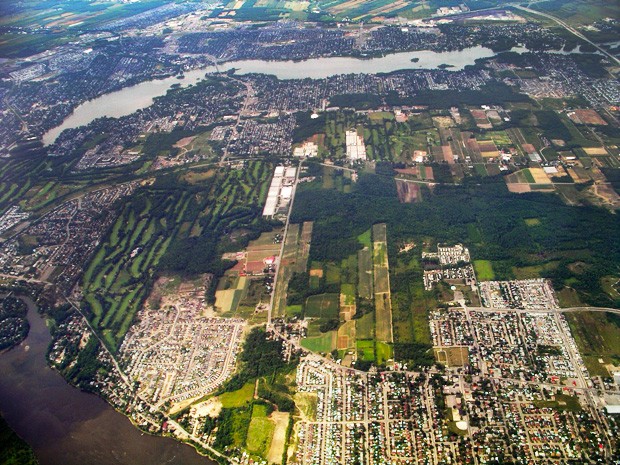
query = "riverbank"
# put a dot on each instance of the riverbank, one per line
(70, 427)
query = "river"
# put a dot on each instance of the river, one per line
(66, 426)
(130, 99)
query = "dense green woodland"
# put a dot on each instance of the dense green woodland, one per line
(13, 449)
(485, 216)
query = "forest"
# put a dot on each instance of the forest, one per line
(483, 215)
(13, 449)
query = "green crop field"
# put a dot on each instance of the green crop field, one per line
(366, 350)
(598, 337)
(365, 327)
(365, 273)
(322, 306)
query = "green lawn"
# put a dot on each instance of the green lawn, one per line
(238, 398)
(384, 352)
(484, 270)
(322, 343)
(259, 435)
(598, 337)
(366, 350)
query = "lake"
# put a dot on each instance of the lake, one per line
(130, 99)
(66, 426)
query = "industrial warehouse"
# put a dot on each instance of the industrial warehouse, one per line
(280, 191)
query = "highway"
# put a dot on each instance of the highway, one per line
(546, 310)
(569, 28)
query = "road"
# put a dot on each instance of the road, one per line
(569, 28)
(547, 310)
(103, 345)
(281, 253)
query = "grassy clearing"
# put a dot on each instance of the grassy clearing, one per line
(306, 402)
(364, 239)
(598, 337)
(484, 270)
(366, 350)
(294, 310)
(238, 398)
(535, 271)
(561, 402)
(324, 343)
(568, 297)
(260, 433)
(348, 290)
(383, 352)
(365, 326)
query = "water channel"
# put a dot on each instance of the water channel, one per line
(66, 426)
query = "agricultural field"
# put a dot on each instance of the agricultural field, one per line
(383, 304)
(260, 431)
(598, 337)
(60, 17)
(358, 10)
(529, 179)
(385, 138)
(231, 289)
(579, 13)
(322, 306)
(323, 343)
